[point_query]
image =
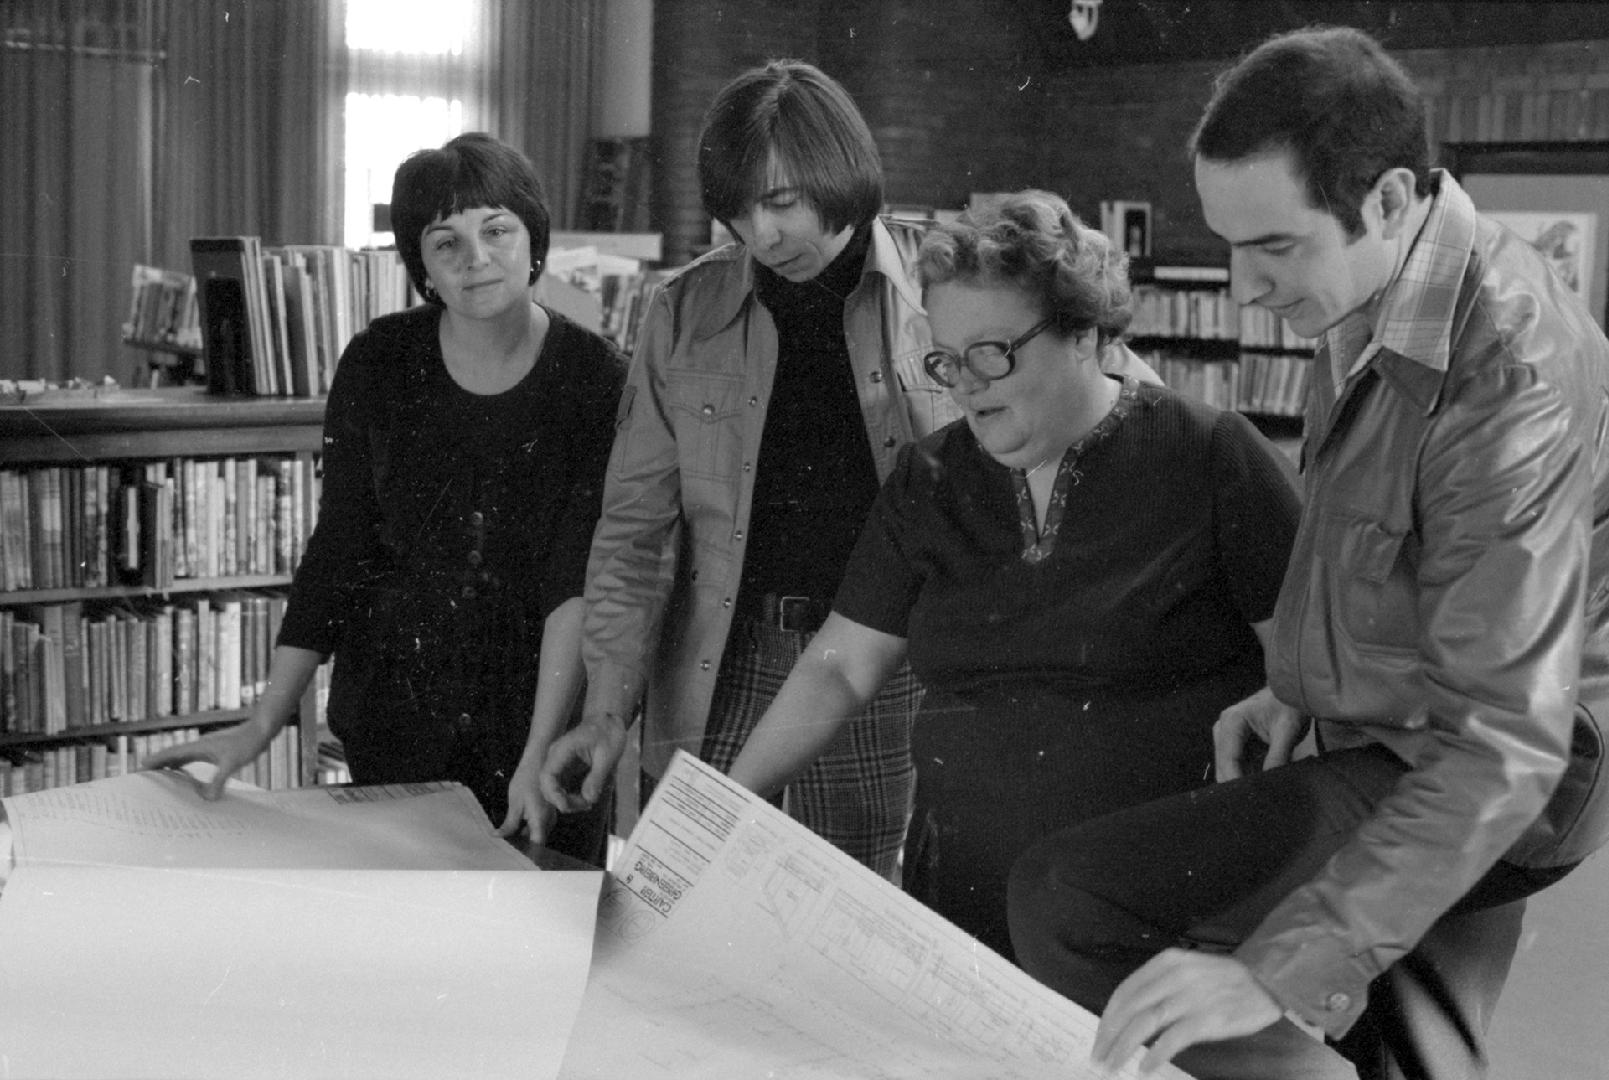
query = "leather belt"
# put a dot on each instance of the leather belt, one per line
(783, 611)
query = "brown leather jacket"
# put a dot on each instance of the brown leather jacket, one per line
(1448, 596)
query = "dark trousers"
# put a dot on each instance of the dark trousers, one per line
(1201, 870)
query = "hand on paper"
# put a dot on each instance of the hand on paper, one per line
(1261, 723)
(527, 807)
(580, 761)
(1180, 998)
(228, 750)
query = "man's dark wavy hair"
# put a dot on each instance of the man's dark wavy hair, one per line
(1333, 98)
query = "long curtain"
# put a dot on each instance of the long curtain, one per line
(548, 60)
(250, 129)
(77, 89)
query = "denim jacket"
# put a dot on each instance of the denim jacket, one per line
(1448, 597)
(668, 552)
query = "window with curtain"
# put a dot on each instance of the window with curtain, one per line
(127, 127)
(418, 73)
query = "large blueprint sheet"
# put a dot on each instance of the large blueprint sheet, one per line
(733, 943)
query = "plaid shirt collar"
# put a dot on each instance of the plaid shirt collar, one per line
(1415, 313)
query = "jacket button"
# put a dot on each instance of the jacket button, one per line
(747, 466)
(703, 665)
(877, 376)
(754, 402)
(474, 558)
(464, 721)
(738, 535)
(891, 442)
(726, 601)
(468, 592)
(477, 518)
(708, 410)
(1338, 1002)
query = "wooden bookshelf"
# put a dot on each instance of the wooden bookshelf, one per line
(265, 439)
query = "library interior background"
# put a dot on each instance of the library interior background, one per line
(132, 129)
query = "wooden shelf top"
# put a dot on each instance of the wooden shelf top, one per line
(183, 421)
(164, 408)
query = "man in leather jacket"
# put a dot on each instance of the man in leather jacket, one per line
(1444, 620)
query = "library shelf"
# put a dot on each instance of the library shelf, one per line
(1189, 328)
(240, 500)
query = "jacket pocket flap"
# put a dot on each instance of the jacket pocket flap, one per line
(1371, 550)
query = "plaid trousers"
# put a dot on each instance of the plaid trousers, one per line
(858, 794)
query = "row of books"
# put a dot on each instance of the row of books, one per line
(274, 320)
(1262, 329)
(1192, 313)
(39, 770)
(152, 523)
(163, 311)
(1268, 384)
(1211, 314)
(69, 666)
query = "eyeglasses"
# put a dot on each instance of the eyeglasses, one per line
(987, 360)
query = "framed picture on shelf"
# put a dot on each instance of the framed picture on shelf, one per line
(1555, 195)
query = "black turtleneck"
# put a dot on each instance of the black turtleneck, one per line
(815, 479)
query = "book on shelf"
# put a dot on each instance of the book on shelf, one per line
(164, 312)
(274, 320)
(230, 325)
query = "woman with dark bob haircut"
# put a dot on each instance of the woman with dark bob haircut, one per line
(1077, 571)
(464, 448)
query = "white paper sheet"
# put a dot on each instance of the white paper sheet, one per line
(733, 943)
(134, 972)
(160, 819)
(324, 932)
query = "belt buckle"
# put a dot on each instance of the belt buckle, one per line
(793, 612)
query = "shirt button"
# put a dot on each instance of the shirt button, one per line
(747, 466)
(754, 402)
(877, 376)
(738, 535)
(474, 558)
(891, 442)
(1338, 1002)
(708, 410)
(703, 665)
(726, 601)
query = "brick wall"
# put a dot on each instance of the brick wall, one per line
(1120, 133)
(960, 98)
(948, 88)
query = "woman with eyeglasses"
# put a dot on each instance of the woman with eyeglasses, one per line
(1078, 570)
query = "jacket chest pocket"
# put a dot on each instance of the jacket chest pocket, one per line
(928, 404)
(1374, 577)
(707, 416)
